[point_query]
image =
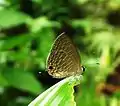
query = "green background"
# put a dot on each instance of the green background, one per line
(27, 31)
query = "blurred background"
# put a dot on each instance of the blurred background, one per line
(29, 27)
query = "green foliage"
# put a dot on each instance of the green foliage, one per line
(27, 31)
(22, 80)
(11, 17)
(59, 94)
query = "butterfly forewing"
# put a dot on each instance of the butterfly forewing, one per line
(63, 60)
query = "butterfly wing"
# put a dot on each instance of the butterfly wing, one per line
(63, 60)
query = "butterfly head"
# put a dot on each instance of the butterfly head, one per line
(83, 69)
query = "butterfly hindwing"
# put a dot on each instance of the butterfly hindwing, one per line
(63, 60)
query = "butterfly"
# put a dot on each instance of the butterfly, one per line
(63, 59)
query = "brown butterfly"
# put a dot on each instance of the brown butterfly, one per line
(63, 60)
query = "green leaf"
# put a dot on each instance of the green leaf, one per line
(3, 81)
(40, 23)
(108, 41)
(22, 80)
(44, 45)
(60, 94)
(10, 17)
(15, 41)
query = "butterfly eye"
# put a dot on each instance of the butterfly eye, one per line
(83, 68)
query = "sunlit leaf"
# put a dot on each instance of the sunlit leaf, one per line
(10, 17)
(3, 81)
(60, 94)
(22, 80)
(15, 41)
